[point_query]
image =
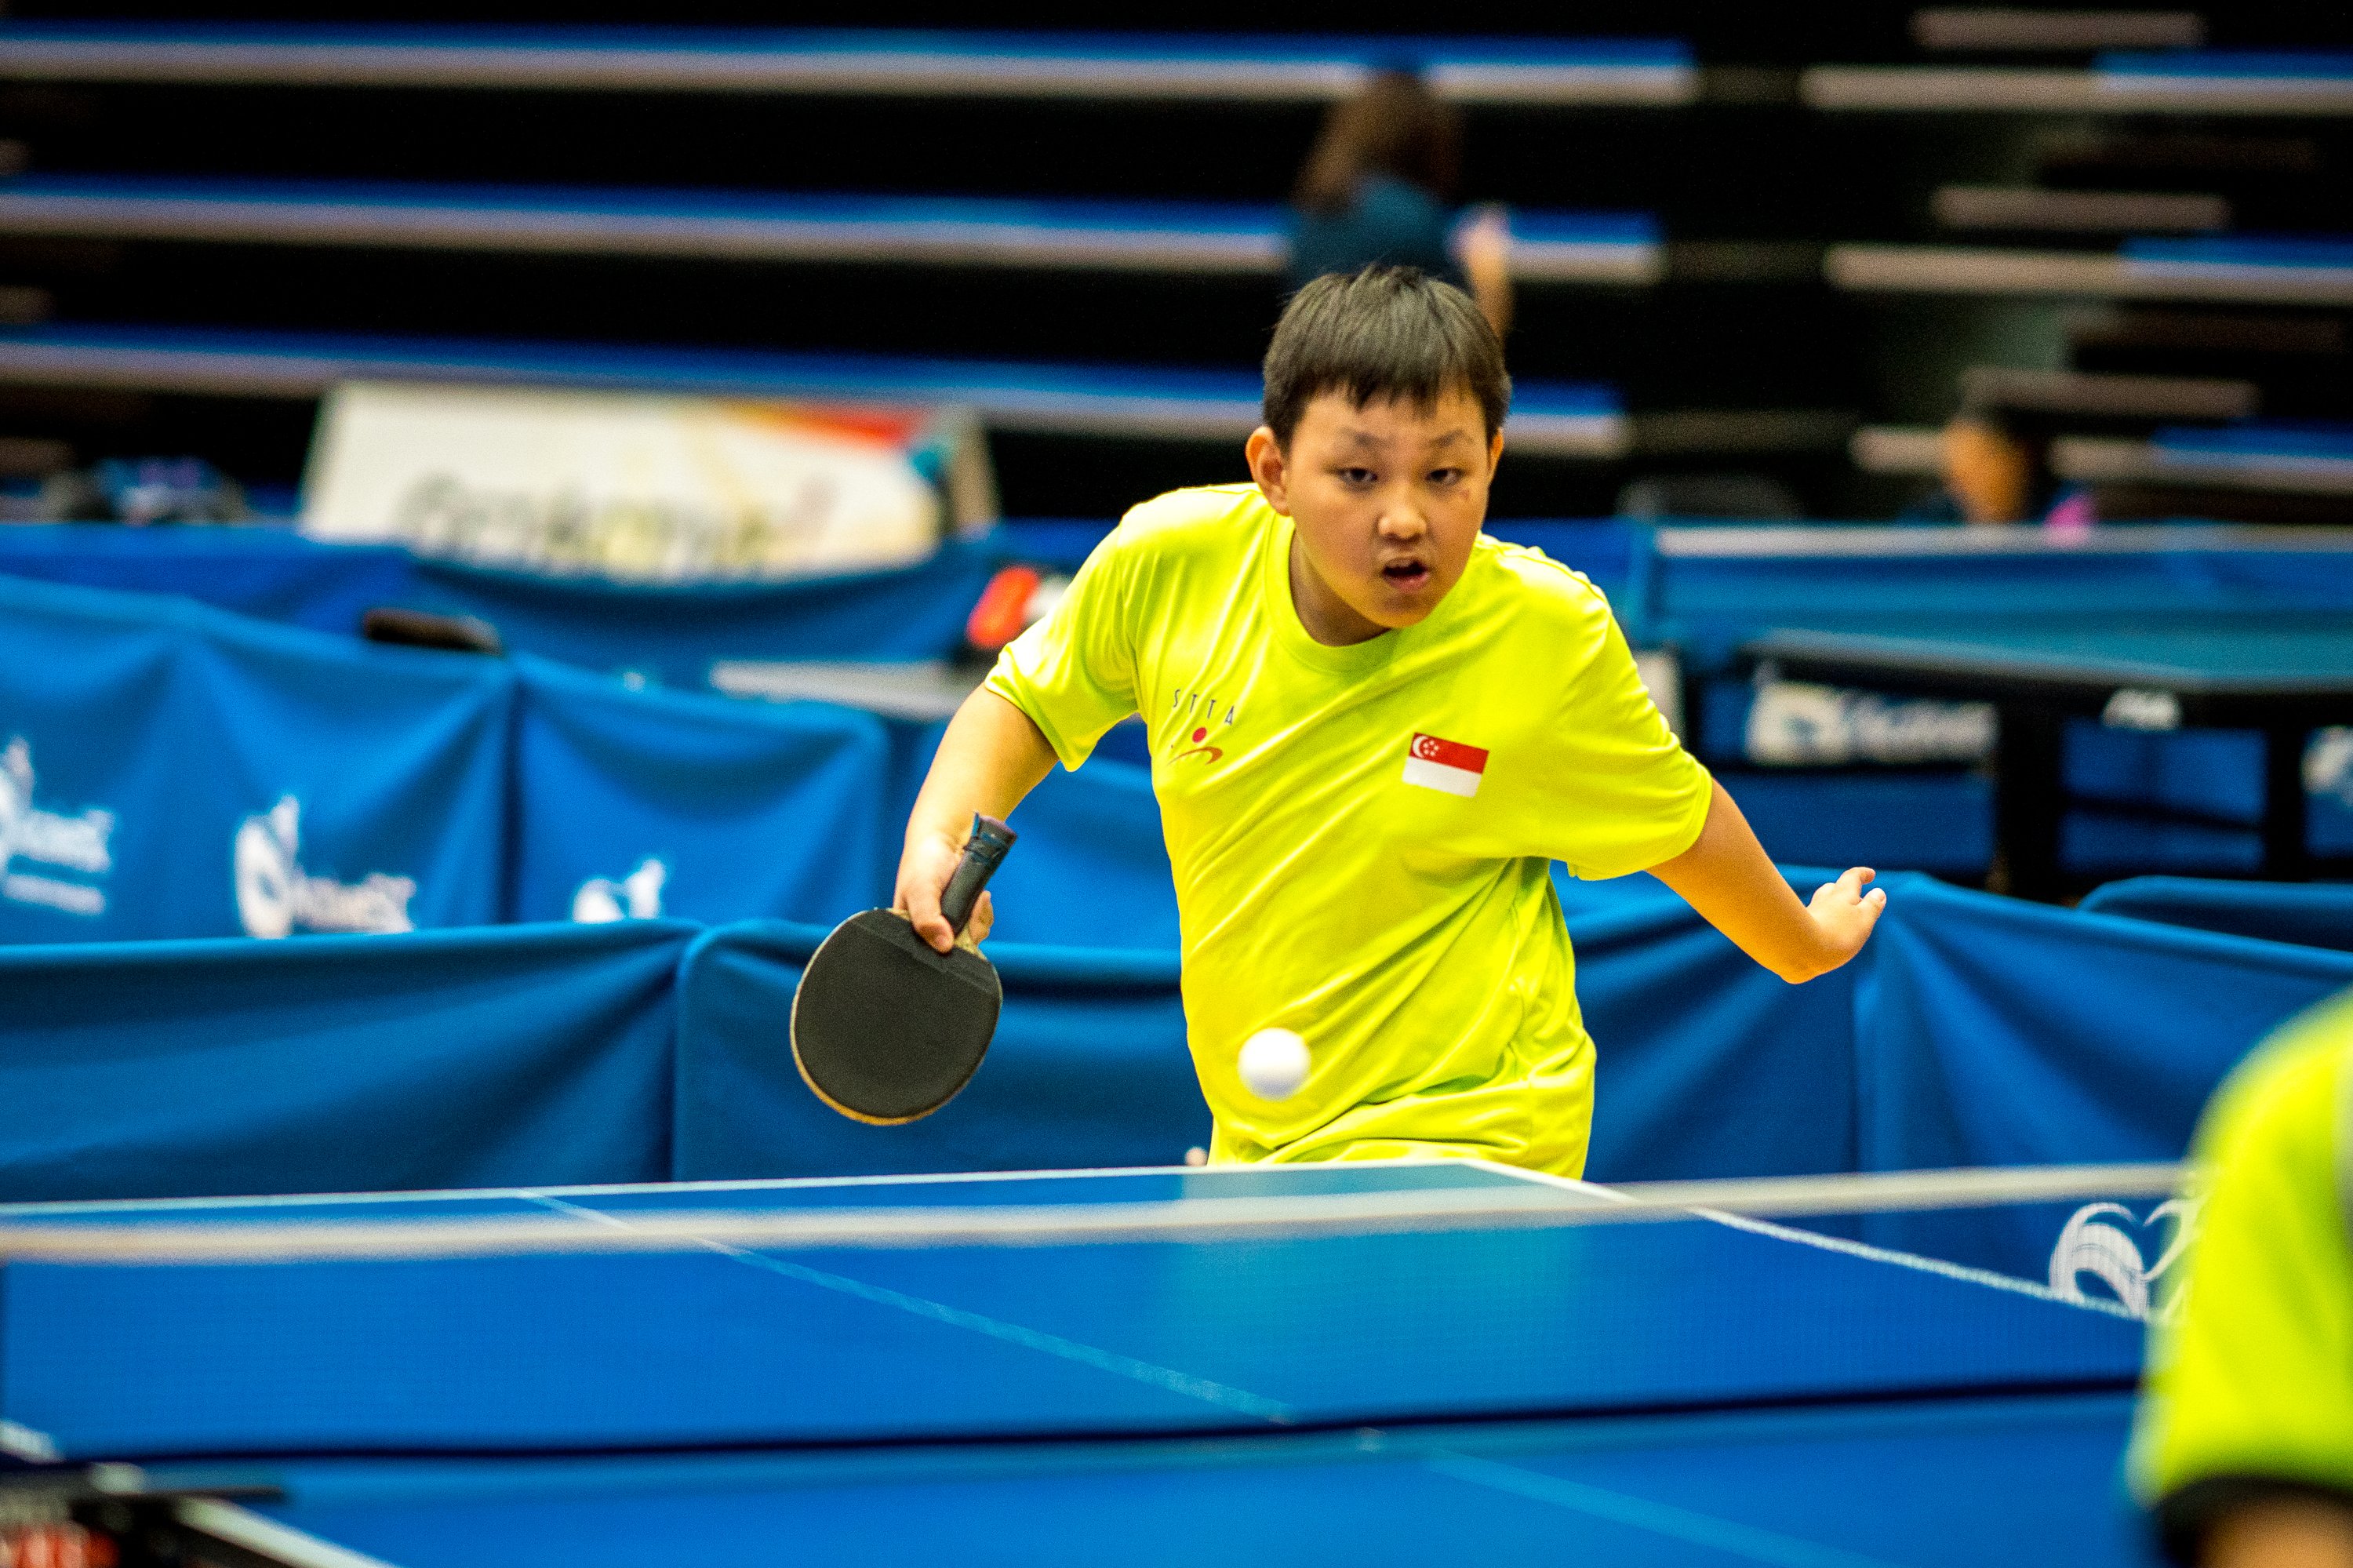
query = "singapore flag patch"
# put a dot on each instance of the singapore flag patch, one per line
(1447, 765)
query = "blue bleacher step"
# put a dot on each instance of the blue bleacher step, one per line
(1555, 418)
(1185, 237)
(1642, 72)
(2299, 271)
(2163, 82)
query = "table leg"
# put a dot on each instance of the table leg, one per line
(2029, 799)
(2287, 852)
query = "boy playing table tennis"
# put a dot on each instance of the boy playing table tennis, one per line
(1372, 728)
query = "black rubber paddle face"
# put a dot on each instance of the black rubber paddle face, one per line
(884, 1029)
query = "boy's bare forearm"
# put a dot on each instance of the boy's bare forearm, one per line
(1727, 876)
(991, 756)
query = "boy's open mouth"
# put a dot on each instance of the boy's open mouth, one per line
(1405, 574)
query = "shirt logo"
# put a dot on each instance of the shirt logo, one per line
(1197, 705)
(1206, 753)
(1445, 764)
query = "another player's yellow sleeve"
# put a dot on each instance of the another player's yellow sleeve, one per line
(1073, 672)
(2251, 1387)
(1630, 797)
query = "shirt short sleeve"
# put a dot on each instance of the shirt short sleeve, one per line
(2250, 1386)
(1073, 672)
(1630, 795)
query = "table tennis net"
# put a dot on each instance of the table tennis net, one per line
(1205, 1208)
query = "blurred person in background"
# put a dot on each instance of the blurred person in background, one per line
(1379, 189)
(2244, 1451)
(1997, 469)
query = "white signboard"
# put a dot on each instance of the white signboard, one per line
(636, 487)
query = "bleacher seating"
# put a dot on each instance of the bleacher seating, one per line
(1095, 399)
(2164, 248)
(2170, 81)
(1160, 236)
(2315, 271)
(1145, 239)
(841, 61)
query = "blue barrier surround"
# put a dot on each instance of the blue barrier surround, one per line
(2311, 916)
(1088, 1069)
(1700, 589)
(1957, 1045)
(175, 770)
(1995, 1032)
(1559, 419)
(671, 634)
(263, 570)
(1975, 1030)
(675, 635)
(932, 63)
(702, 807)
(1172, 236)
(341, 1064)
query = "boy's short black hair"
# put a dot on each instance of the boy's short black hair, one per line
(1386, 331)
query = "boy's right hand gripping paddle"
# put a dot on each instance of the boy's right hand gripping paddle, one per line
(884, 1029)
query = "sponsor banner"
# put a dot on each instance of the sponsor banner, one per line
(639, 487)
(1796, 723)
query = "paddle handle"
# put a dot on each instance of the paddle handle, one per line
(983, 853)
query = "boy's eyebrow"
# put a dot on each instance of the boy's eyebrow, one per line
(1354, 436)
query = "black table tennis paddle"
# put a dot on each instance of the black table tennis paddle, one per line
(885, 1030)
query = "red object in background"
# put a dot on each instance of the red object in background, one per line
(1003, 609)
(56, 1546)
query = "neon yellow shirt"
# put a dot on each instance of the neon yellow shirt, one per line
(1360, 835)
(2253, 1379)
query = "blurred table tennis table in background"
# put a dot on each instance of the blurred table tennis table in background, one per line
(2286, 673)
(1375, 1363)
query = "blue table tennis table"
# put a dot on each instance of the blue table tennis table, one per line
(1693, 1389)
(2286, 673)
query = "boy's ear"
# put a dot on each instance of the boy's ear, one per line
(1271, 468)
(1495, 452)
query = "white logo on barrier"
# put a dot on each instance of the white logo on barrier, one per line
(2103, 1240)
(1794, 724)
(48, 838)
(2329, 764)
(2142, 708)
(636, 897)
(275, 896)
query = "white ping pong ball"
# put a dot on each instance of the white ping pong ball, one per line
(1274, 1063)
